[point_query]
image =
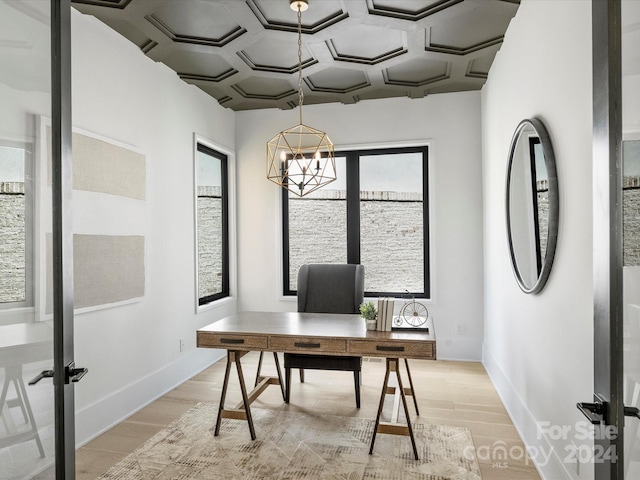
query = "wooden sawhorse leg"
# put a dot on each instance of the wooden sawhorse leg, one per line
(242, 411)
(234, 356)
(259, 377)
(393, 365)
(413, 391)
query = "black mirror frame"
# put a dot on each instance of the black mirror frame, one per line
(554, 204)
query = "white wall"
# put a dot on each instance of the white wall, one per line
(451, 124)
(132, 351)
(538, 349)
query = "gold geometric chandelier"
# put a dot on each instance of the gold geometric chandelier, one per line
(301, 158)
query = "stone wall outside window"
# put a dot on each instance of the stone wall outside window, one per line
(209, 241)
(391, 223)
(401, 225)
(12, 242)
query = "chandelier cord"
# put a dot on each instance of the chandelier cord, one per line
(300, 94)
(301, 159)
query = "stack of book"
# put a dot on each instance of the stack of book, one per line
(385, 314)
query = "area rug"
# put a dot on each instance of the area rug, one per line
(294, 445)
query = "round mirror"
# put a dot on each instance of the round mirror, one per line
(532, 205)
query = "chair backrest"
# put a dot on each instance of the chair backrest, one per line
(330, 288)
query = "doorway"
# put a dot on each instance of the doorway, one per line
(36, 309)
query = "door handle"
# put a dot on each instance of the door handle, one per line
(74, 374)
(594, 411)
(631, 412)
(41, 375)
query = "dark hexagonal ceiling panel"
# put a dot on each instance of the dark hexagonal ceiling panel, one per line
(409, 9)
(417, 73)
(136, 36)
(369, 45)
(457, 86)
(244, 52)
(260, 88)
(106, 3)
(470, 31)
(479, 67)
(203, 22)
(336, 80)
(278, 15)
(199, 66)
(275, 55)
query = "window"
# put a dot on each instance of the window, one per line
(375, 214)
(212, 220)
(16, 213)
(631, 202)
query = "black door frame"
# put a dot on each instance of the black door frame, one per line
(607, 238)
(63, 352)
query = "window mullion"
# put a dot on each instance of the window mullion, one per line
(425, 221)
(353, 207)
(286, 277)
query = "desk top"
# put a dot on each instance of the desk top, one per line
(319, 333)
(25, 343)
(332, 325)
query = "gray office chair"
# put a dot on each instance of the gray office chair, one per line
(327, 288)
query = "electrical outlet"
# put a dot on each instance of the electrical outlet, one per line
(459, 329)
(182, 345)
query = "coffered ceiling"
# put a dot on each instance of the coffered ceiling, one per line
(244, 53)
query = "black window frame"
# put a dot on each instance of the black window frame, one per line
(533, 141)
(353, 217)
(29, 217)
(224, 187)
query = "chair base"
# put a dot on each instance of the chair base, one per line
(321, 362)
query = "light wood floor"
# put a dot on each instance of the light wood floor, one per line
(448, 393)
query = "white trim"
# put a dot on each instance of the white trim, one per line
(93, 308)
(217, 304)
(28, 145)
(524, 421)
(630, 136)
(383, 145)
(107, 412)
(231, 217)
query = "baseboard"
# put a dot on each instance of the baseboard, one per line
(100, 416)
(545, 457)
(459, 348)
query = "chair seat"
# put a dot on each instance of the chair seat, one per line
(322, 362)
